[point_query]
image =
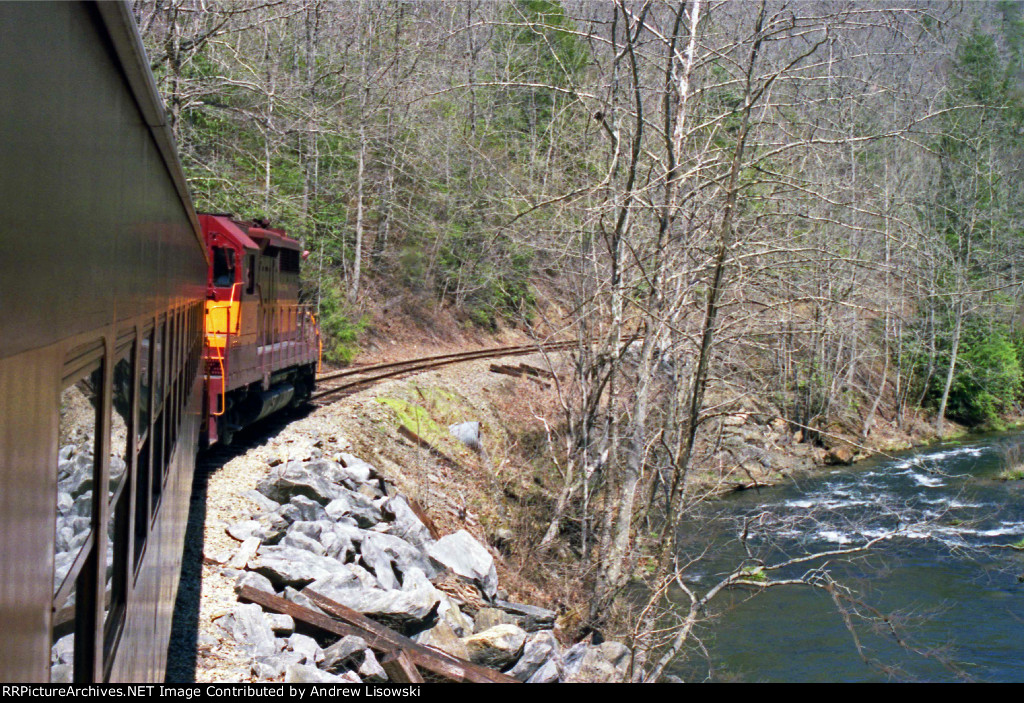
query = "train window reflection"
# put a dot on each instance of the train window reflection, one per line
(116, 544)
(145, 384)
(73, 544)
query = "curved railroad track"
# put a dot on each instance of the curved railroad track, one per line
(356, 378)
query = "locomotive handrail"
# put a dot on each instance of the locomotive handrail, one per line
(222, 349)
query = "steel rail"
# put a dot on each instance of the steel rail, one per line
(398, 368)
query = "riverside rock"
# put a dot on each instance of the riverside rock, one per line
(468, 559)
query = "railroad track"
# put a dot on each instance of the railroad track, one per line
(351, 380)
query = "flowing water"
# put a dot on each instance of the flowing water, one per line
(954, 599)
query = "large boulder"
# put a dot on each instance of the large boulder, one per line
(497, 647)
(468, 559)
(607, 662)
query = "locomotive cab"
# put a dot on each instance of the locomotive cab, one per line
(262, 347)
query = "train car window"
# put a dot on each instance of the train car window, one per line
(147, 366)
(74, 543)
(289, 261)
(145, 383)
(159, 364)
(116, 544)
(142, 480)
(250, 272)
(223, 267)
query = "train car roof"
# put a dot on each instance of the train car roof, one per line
(124, 37)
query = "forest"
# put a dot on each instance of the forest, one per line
(809, 210)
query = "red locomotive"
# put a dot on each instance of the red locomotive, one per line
(262, 347)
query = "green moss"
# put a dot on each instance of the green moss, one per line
(413, 417)
(754, 573)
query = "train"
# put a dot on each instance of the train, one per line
(133, 332)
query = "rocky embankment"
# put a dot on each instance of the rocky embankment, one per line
(335, 527)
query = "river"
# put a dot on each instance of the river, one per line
(958, 605)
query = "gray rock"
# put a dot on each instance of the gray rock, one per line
(290, 566)
(449, 612)
(266, 505)
(307, 647)
(395, 607)
(486, 618)
(294, 479)
(257, 581)
(272, 667)
(301, 541)
(246, 625)
(282, 625)
(63, 650)
(357, 468)
(309, 510)
(405, 523)
(468, 433)
(351, 504)
(304, 673)
(385, 554)
(371, 670)
(443, 638)
(531, 618)
(245, 530)
(290, 594)
(343, 653)
(572, 658)
(547, 673)
(341, 541)
(497, 647)
(607, 662)
(539, 648)
(62, 674)
(272, 526)
(468, 558)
